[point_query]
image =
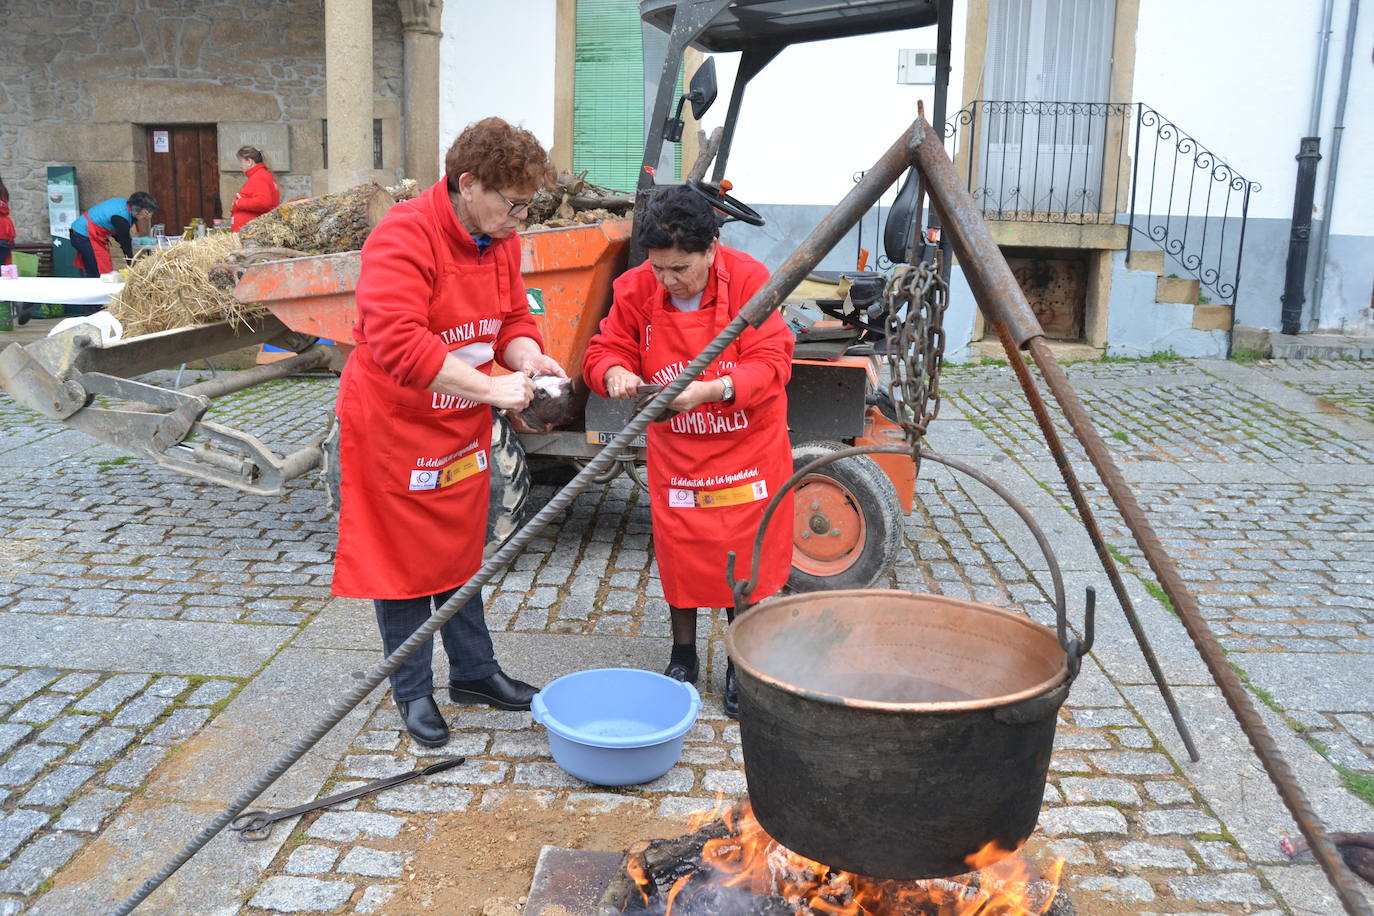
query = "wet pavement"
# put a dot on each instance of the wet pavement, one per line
(165, 639)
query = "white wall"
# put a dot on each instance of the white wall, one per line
(496, 59)
(822, 111)
(1238, 76)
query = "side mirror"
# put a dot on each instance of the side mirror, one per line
(703, 87)
(702, 93)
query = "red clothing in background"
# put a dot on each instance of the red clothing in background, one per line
(6, 232)
(258, 195)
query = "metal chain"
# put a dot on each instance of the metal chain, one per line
(916, 298)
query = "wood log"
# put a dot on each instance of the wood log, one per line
(321, 225)
(709, 148)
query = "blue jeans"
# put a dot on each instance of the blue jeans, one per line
(466, 641)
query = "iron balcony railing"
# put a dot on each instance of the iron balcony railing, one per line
(1108, 163)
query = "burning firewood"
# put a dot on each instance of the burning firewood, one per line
(731, 866)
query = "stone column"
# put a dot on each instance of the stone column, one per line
(420, 28)
(348, 91)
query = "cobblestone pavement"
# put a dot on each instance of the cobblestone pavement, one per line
(165, 639)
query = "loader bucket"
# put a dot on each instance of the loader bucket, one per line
(568, 272)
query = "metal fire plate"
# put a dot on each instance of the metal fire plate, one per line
(569, 882)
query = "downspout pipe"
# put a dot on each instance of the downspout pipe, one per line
(1329, 194)
(1300, 230)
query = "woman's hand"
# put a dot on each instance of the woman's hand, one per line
(509, 392)
(523, 355)
(697, 393)
(621, 383)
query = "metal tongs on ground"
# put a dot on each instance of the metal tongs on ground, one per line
(257, 825)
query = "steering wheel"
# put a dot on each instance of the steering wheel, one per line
(717, 197)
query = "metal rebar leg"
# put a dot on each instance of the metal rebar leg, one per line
(1085, 514)
(1237, 697)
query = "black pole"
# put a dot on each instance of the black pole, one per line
(1299, 235)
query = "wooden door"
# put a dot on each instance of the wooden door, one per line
(183, 174)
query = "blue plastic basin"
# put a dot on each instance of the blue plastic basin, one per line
(616, 726)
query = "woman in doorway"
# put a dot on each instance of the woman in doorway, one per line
(259, 192)
(713, 466)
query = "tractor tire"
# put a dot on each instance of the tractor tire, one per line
(509, 508)
(847, 530)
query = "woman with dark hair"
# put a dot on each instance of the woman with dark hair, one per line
(6, 224)
(259, 192)
(714, 465)
(112, 218)
(440, 301)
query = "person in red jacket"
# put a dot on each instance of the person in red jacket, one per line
(440, 300)
(259, 192)
(6, 224)
(714, 465)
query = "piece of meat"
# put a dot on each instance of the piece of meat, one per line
(552, 405)
(1357, 849)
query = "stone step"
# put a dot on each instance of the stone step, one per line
(1152, 261)
(1177, 289)
(1212, 318)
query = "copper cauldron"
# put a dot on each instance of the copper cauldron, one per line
(900, 735)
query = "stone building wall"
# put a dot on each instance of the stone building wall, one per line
(81, 79)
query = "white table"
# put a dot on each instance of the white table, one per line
(58, 290)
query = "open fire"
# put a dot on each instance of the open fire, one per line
(729, 866)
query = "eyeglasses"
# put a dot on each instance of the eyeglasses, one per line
(515, 205)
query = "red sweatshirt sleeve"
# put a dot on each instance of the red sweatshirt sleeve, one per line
(765, 353)
(394, 291)
(516, 321)
(258, 194)
(617, 340)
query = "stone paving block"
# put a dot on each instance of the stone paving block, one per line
(102, 744)
(11, 734)
(88, 812)
(1149, 855)
(1228, 887)
(413, 797)
(1072, 850)
(134, 768)
(39, 860)
(311, 859)
(1178, 821)
(75, 682)
(604, 802)
(377, 766)
(1078, 789)
(460, 744)
(1132, 763)
(21, 767)
(111, 694)
(347, 826)
(179, 726)
(210, 693)
(1361, 728)
(57, 786)
(376, 897)
(295, 895)
(41, 709)
(473, 773)
(520, 744)
(69, 729)
(1168, 793)
(372, 863)
(169, 686)
(1218, 855)
(1082, 820)
(16, 827)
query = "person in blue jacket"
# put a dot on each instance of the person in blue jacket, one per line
(92, 230)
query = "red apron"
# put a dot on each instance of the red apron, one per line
(713, 469)
(100, 244)
(415, 484)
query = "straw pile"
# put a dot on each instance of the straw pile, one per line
(172, 289)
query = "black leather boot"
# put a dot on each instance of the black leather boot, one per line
(499, 690)
(424, 721)
(730, 702)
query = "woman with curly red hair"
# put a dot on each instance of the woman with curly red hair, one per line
(440, 299)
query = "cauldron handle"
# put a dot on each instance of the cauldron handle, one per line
(1073, 647)
(1036, 709)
